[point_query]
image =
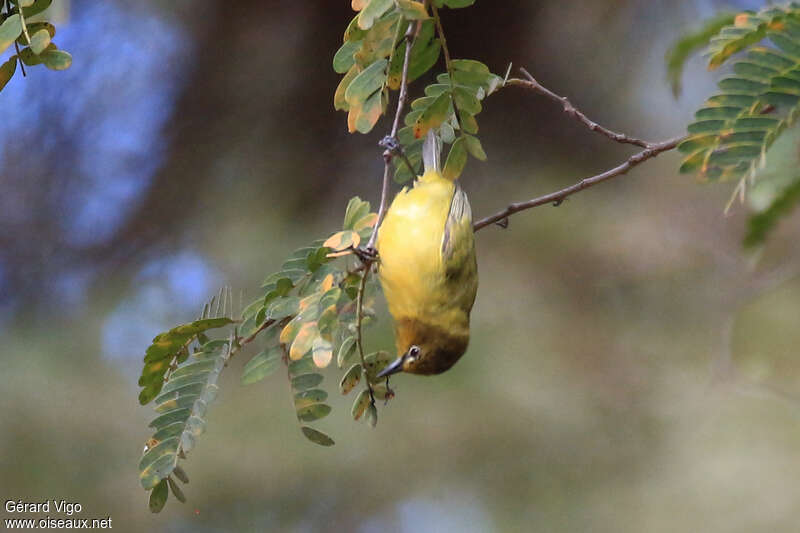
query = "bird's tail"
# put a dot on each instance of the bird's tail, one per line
(432, 152)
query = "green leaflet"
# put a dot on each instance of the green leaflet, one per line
(165, 348)
(182, 406)
(734, 130)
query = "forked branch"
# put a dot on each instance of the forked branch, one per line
(650, 151)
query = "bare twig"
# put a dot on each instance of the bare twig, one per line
(531, 83)
(557, 197)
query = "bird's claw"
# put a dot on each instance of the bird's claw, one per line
(389, 392)
(366, 255)
(390, 143)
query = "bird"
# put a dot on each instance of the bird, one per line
(427, 269)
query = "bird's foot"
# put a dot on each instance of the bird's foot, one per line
(366, 254)
(390, 143)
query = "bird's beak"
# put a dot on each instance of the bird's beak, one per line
(393, 368)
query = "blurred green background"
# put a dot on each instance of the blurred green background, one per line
(631, 369)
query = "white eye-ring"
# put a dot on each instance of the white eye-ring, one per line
(413, 352)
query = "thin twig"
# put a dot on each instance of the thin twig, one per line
(572, 111)
(557, 197)
(359, 318)
(531, 83)
(250, 338)
(447, 62)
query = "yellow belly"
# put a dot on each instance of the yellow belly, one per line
(411, 271)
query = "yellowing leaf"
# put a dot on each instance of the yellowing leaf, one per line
(371, 111)
(308, 303)
(334, 255)
(352, 117)
(339, 101)
(309, 397)
(304, 340)
(366, 83)
(327, 283)
(350, 379)
(368, 221)
(371, 11)
(356, 210)
(39, 41)
(360, 405)
(433, 115)
(289, 332)
(9, 31)
(342, 240)
(322, 352)
(327, 320)
(56, 59)
(412, 10)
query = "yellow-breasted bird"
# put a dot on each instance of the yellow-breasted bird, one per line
(428, 271)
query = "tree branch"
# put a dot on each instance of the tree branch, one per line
(571, 110)
(557, 197)
(650, 151)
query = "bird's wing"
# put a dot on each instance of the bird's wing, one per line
(458, 226)
(458, 250)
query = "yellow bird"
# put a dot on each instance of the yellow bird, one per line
(427, 269)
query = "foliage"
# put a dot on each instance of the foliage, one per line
(305, 314)
(371, 59)
(734, 130)
(22, 24)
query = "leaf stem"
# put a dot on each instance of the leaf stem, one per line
(448, 64)
(569, 109)
(359, 319)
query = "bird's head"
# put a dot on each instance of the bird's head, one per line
(425, 349)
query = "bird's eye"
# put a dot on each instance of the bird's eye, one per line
(413, 352)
